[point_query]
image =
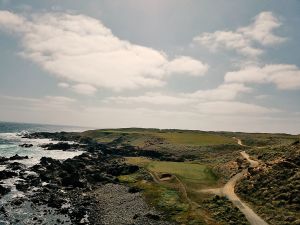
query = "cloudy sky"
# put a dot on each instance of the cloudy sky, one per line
(208, 65)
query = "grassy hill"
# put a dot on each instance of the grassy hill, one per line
(207, 160)
(141, 137)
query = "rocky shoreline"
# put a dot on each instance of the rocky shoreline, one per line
(81, 190)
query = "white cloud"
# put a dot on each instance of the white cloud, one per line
(63, 85)
(85, 89)
(262, 28)
(262, 96)
(186, 65)
(43, 103)
(81, 49)
(216, 115)
(151, 98)
(284, 76)
(59, 99)
(244, 40)
(232, 107)
(221, 100)
(228, 40)
(11, 21)
(197, 107)
(222, 92)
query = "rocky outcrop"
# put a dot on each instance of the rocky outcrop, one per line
(64, 146)
(25, 145)
(57, 136)
(76, 187)
(16, 166)
(4, 190)
(5, 174)
(15, 157)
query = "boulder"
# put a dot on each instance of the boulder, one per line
(3, 211)
(3, 159)
(4, 190)
(17, 201)
(22, 186)
(17, 157)
(45, 161)
(152, 216)
(16, 166)
(25, 145)
(134, 190)
(64, 146)
(74, 181)
(5, 174)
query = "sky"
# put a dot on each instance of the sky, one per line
(186, 64)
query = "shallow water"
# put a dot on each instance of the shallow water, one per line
(10, 140)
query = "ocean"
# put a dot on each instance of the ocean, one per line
(10, 139)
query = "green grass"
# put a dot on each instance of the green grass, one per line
(169, 196)
(140, 137)
(193, 175)
(192, 138)
(164, 197)
(265, 139)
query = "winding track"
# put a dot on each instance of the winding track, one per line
(228, 191)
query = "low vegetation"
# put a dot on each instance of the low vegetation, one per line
(145, 137)
(187, 172)
(166, 197)
(173, 187)
(209, 160)
(265, 139)
(224, 212)
(274, 189)
(180, 163)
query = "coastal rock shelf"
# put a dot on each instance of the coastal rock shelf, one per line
(80, 190)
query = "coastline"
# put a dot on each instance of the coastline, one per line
(56, 190)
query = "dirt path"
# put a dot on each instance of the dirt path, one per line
(253, 163)
(239, 142)
(228, 191)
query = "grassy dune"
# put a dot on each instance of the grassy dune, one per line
(193, 138)
(173, 195)
(189, 173)
(208, 160)
(141, 137)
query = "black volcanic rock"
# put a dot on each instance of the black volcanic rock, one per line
(5, 174)
(22, 186)
(3, 159)
(25, 145)
(68, 185)
(64, 146)
(16, 166)
(4, 190)
(57, 136)
(17, 157)
(74, 181)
